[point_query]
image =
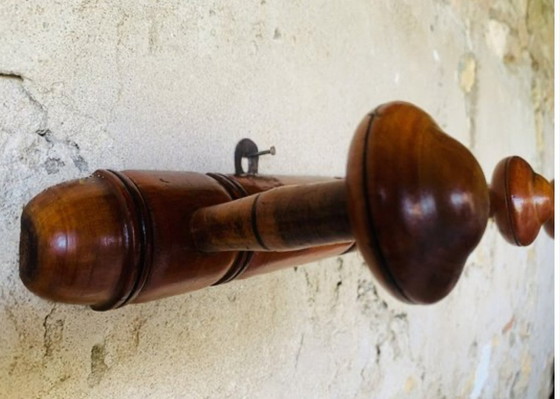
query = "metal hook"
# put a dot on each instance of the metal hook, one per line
(246, 148)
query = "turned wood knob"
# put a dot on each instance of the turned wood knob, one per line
(70, 233)
(418, 202)
(522, 201)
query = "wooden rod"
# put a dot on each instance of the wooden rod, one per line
(282, 219)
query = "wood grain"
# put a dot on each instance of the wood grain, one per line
(414, 201)
(418, 202)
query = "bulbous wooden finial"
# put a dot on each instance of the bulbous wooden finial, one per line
(80, 242)
(522, 201)
(418, 202)
(119, 237)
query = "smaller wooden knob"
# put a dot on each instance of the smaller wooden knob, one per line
(522, 201)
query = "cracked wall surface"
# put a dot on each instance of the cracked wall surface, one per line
(87, 84)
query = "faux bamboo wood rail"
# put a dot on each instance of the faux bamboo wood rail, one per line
(415, 201)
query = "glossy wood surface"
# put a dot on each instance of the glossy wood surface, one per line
(418, 202)
(259, 183)
(414, 202)
(283, 219)
(119, 237)
(268, 262)
(71, 232)
(522, 201)
(175, 266)
(123, 237)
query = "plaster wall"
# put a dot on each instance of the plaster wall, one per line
(88, 84)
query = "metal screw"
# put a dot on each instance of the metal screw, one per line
(271, 151)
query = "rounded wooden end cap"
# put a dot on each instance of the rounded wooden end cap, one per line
(78, 244)
(418, 202)
(522, 201)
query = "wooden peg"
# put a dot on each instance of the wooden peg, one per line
(408, 183)
(414, 201)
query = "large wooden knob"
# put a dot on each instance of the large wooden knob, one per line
(418, 202)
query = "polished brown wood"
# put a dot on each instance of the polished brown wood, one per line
(522, 201)
(284, 219)
(116, 238)
(407, 183)
(414, 202)
(123, 237)
(267, 262)
(71, 232)
(419, 202)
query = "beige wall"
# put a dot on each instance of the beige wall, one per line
(174, 85)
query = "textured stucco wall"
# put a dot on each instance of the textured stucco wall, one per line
(86, 84)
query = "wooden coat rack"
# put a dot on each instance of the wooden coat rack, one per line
(415, 202)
